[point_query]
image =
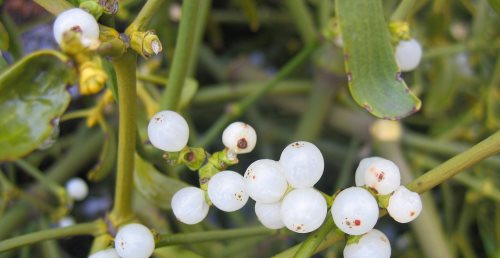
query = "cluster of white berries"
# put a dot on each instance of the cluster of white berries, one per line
(77, 190)
(355, 210)
(283, 190)
(408, 54)
(76, 20)
(131, 241)
(168, 131)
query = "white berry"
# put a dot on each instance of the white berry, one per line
(168, 131)
(106, 253)
(382, 176)
(76, 20)
(404, 205)
(355, 211)
(408, 54)
(66, 222)
(189, 205)
(134, 241)
(303, 210)
(227, 191)
(77, 188)
(265, 181)
(269, 214)
(303, 164)
(373, 244)
(239, 137)
(359, 176)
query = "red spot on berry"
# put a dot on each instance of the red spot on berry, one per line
(380, 176)
(357, 222)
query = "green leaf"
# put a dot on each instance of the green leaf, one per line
(32, 94)
(495, 4)
(4, 38)
(155, 187)
(372, 71)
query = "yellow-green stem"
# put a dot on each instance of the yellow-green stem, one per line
(90, 228)
(182, 55)
(125, 68)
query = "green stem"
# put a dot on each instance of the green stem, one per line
(158, 80)
(90, 228)
(80, 154)
(486, 148)
(142, 19)
(125, 68)
(403, 10)
(334, 236)
(182, 55)
(309, 246)
(470, 46)
(203, 9)
(54, 6)
(318, 106)
(48, 183)
(238, 108)
(226, 92)
(214, 235)
(303, 20)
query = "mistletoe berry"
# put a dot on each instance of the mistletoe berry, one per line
(404, 205)
(269, 214)
(303, 210)
(227, 191)
(408, 54)
(265, 181)
(76, 20)
(77, 188)
(303, 164)
(134, 241)
(168, 131)
(355, 211)
(189, 205)
(373, 244)
(239, 137)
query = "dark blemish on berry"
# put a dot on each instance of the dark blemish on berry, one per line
(242, 143)
(254, 177)
(349, 76)
(380, 176)
(357, 222)
(76, 29)
(383, 239)
(412, 213)
(348, 223)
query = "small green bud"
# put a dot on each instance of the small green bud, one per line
(92, 7)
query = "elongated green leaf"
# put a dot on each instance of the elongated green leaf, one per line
(155, 187)
(32, 94)
(374, 77)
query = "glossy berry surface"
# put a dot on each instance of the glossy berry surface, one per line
(189, 205)
(269, 214)
(76, 20)
(408, 54)
(382, 176)
(404, 205)
(168, 131)
(265, 181)
(77, 188)
(355, 211)
(106, 253)
(227, 191)
(303, 210)
(239, 137)
(134, 241)
(303, 164)
(373, 244)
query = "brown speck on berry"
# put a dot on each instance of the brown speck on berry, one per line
(412, 213)
(76, 29)
(380, 176)
(242, 143)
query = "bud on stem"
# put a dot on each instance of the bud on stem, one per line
(146, 43)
